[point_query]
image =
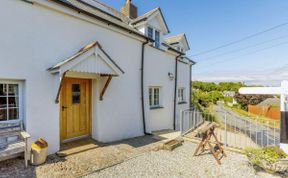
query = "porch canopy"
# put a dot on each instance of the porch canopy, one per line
(90, 60)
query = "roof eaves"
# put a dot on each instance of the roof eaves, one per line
(113, 16)
(145, 17)
(100, 47)
(168, 30)
(173, 49)
(187, 41)
(126, 27)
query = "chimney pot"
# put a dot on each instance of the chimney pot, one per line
(129, 10)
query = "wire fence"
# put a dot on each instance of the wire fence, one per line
(233, 130)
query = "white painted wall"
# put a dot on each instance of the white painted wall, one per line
(35, 38)
(183, 82)
(157, 67)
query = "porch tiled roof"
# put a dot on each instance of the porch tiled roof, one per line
(82, 51)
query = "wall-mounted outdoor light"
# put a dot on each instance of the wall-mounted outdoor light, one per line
(171, 76)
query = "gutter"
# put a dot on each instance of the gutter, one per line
(142, 87)
(98, 18)
(175, 89)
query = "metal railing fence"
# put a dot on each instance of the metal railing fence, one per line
(234, 131)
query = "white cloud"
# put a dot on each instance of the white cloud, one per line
(272, 77)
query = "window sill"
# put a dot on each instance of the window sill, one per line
(156, 107)
(182, 102)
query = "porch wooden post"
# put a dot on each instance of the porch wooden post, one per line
(60, 87)
(105, 87)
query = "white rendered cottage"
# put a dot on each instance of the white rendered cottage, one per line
(72, 69)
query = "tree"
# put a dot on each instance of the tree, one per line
(230, 86)
(245, 100)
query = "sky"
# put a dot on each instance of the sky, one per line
(212, 23)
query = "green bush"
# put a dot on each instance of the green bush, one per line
(270, 154)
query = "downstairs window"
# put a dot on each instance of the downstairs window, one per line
(154, 97)
(9, 101)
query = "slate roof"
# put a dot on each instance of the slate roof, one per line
(105, 13)
(110, 10)
(176, 39)
(145, 16)
(270, 102)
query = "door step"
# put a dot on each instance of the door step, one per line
(78, 146)
(172, 144)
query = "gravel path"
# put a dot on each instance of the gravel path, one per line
(82, 163)
(181, 163)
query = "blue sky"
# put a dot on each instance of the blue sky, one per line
(212, 23)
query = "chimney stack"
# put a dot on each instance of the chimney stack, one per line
(129, 10)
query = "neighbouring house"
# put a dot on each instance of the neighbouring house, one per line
(72, 69)
(230, 94)
(269, 108)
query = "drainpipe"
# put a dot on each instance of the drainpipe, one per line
(142, 87)
(175, 90)
(190, 87)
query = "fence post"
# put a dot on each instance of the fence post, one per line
(256, 135)
(274, 133)
(181, 122)
(267, 136)
(225, 128)
(194, 119)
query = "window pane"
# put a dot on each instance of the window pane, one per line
(150, 97)
(3, 102)
(13, 89)
(156, 96)
(75, 93)
(150, 33)
(3, 114)
(13, 102)
(13, 114)
(157, 39)
(3, 90)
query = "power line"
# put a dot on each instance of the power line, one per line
(247, 54)
(240, 40)
(247, 47)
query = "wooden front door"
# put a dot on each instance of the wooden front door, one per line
(75, 106)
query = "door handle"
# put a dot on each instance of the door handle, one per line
(64, 107)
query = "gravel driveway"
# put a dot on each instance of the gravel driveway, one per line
(82, 163)
(181, 163)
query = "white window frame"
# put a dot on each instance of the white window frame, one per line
(152, 97)
(154, 30)
(20, 96)
(155, 43)
(149, 27)
(181, 95)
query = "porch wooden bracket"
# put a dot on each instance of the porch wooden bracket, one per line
(60, 87)
(105, 87)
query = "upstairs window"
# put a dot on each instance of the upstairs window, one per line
(180, 49)
(9, 101)
(154, 97)
(150, 32)
(157, 39)
(181, 95)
